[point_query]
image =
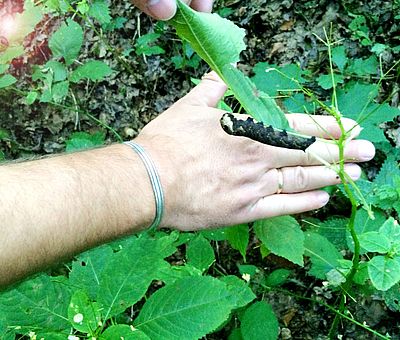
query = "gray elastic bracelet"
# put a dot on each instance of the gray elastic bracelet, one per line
(155, 182)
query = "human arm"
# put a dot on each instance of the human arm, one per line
(166, 9)
(53, 208)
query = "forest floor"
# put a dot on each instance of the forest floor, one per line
(279, 32)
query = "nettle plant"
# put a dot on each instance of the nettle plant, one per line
(132, 289)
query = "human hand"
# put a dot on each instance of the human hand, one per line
(166, 9)
(212, 179)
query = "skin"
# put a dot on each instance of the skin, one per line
(165, 9)
(56, 207)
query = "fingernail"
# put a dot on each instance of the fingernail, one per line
(161, 9)
(323, 197)
(367, 151)
(354, 171)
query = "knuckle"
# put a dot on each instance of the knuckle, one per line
(301, 178)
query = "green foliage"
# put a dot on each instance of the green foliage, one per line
(145, 45)
(200, 254)
(238, 238)
(83, 140)
(291, 246)
(266, 325)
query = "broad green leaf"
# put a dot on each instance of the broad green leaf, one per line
(67, 41)
(277, 277)
(100, 10)
(334, 229)
(83, 140)
(361, 275)
(219, 42)
(123, 332)
(238, 238)
(93, 70)
(388, 172)
(199, 253)
(7, 80)
(323, 254)
(273, 79)
(87, 268)
(127, 276)
(298, 103)
(188, 309)
(339, 57)
(240, 289)
(236, 334)
(374, 241)
(384, 272)
(145, 45)
(338, 276)
(291, 246)
(84, 314)
(37, 304)
(259, 322)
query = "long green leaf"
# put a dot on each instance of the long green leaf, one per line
(219, 42)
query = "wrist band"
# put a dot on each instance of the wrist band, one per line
(155, 182)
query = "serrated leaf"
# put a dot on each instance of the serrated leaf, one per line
(84, 314)
(207, 33)
(339, 57)
(59, 91)
(297, 103)
(188, 309)
(238, 238)
(259, 322)
(387, 173)
(218, 234)
(83, 140)
(384, 272)
(7, 80)
(171, 274)
(39, 303)
(67, 41)
(100, 10)
(334, 229)
(240, 289)
(199, 253)
(291, 246)
(374, 241)
(323, 254)
(127, 276)
(123, 332)
(93, 70)
(31, 97)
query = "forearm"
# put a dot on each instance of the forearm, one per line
(56, 207)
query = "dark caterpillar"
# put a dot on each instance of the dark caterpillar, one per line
(264, 134)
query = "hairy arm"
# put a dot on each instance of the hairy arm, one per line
(56, 207)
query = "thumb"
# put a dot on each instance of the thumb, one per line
(209, 92)
(158, 9)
